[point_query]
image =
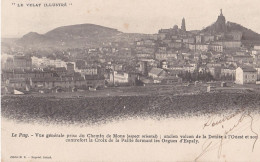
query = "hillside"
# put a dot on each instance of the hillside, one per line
(81, 31)
(76, 36)
(248, 34)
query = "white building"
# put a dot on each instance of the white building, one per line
(88, 71)
(119, 77)
(257, 47)
(60, 63)
(35, 61)
(166, 56)
(246, 75)
(216, 48)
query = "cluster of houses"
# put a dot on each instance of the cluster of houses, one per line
(47, 80)
(219, 52)
(155, 59)
(24, 76)
(44, 74)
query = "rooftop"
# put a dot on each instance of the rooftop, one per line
(248, 69)
(156, 71)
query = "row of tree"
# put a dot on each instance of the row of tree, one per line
(196, 76)
(204, 76)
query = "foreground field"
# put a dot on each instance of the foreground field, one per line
(104, 109)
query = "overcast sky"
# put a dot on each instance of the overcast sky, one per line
(133, 16)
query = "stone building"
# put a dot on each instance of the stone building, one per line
(246, 75)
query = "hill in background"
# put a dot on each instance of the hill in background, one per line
(221, 26)
(90, 35)
(75, 36)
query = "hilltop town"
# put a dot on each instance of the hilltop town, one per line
(224, 52)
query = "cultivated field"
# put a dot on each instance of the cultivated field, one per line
(102, 108)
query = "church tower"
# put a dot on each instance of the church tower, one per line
(183, 26)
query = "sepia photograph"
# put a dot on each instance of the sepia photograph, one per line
(130, 80)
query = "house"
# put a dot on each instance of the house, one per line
(175, 44)
(144, 55)
(43, 82)
(70, 68)
(58, 63)
(166, 56)
(162, 49)
(17, 73)
(40, 62)
(17, 83)
(157, 73)
(256, 59)
(62, 82)
(229, 44)
(199, 39)
(243, 59)
(7, 64)
(22, 62)
(199, 47)
(257, 47)
(89, 70)
(202, 47)
(188, 40)
(216, 47)
(209, 38)
(142, 49)
(186, 56)
(246, 75)
(162, 36)
(228, 72)
(117, 77)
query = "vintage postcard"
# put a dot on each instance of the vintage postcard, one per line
(130, 80)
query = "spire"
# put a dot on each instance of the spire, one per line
(221, 12)
(183, 26)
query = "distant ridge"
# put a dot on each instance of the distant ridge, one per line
(90, 35)
(81, 31)
(69, 36)
(76, 36)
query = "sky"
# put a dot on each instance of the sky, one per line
(130, 16)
